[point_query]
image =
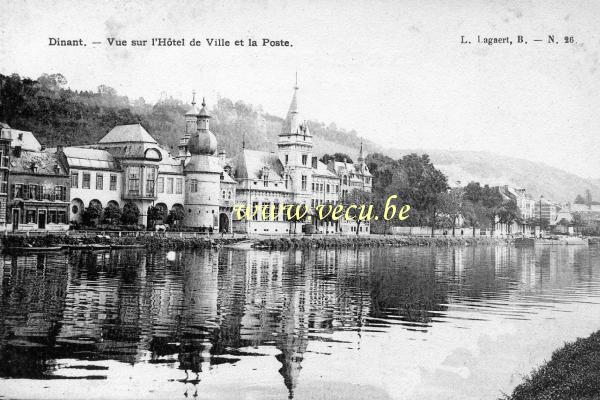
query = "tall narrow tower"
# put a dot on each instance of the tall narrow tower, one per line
(191, 126)
(295, 152)
(202, 177)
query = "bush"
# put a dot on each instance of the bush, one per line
(130, 214)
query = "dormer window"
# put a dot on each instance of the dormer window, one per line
(34, 167)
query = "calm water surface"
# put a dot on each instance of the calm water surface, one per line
(386, 323)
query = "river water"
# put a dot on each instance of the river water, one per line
(383, 323)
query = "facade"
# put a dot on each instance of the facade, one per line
(39, 192)
(546, 210)
(95, 178)
(4, 172)
(526, 207)
(292, 176)
(150, 176)
(48, 189)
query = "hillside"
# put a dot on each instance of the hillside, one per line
(59, 115)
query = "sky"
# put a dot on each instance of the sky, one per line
(394, 71)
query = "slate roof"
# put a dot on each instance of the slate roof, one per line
(250, 163)
(45, 163)
(322, 170)
(27, 141)
(128, 133)
(88, 158)
(168, 164)
(349, 167)
(292, 125)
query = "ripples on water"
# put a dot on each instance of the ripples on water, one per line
(78, 316)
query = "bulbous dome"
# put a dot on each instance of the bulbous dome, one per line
(203, 142)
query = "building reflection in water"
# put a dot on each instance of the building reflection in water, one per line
(209, 308)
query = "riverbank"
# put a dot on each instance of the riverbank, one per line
(573, 372)
(97, 241)
(285, 243)
(280, 243)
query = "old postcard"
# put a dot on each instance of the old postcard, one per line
(299, 199)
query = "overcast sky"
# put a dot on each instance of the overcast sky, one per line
(393, 70)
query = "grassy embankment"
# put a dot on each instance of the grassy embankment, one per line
(573, 372)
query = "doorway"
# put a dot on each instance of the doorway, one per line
(15, 218)
(42, 219)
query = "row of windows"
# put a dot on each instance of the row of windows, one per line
(320, 187)
(38, 192)
(52, 216)
(87, 178)
(304, 159)
(177, 183)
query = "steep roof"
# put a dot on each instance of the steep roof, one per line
(292, 124)
(128, 133)
(25, 139)
(250, 163)
(45, 163)
(322, 170)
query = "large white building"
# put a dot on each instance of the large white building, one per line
(293, 176)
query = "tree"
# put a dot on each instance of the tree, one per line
(130, 214)
(509, 212)
(451, 206)
(579, 199)
(357, 197)
(425, 183)
(156, 214)
(578, 221)
(92, 213)
(176, 215)
(339, 157)
(474, 214)
(491, 199)
(112, 213)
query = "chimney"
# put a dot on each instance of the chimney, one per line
(222, 154)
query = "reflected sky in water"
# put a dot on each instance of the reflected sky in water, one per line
(384, 323)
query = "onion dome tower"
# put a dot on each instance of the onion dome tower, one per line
(202, 177)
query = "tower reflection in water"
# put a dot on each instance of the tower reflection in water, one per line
(208, 308)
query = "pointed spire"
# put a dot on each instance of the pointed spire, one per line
(361, 157)
(203, 113)
(292, 123)
(193, 111)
